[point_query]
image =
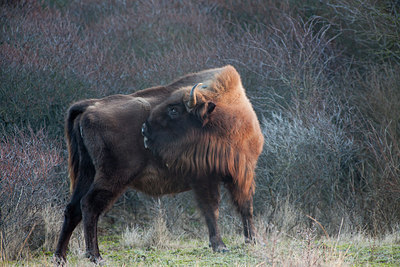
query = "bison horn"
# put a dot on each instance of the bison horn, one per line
(192, 97)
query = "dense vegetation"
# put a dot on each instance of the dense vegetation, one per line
(323, 76)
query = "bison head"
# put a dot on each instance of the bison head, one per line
(178, 120)
(207, 128)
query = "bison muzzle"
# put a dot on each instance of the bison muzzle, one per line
(193, 134)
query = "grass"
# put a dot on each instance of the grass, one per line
(277, 250)
(184, 252)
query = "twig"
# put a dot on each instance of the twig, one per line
(2, 252)
(26, 240)
(320, 225)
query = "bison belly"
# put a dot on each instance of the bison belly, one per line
(156, 181)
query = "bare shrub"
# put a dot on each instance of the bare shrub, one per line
(368, 28)
(158, 235)
(305, 248)
(112, 47)
(384, 176)
(376, 97)
(280, 217)
(310, 163)
(77, 244)
(38, 98)
(296, 60)
(28, 183)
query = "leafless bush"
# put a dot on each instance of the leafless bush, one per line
(132, 237)
(384, 179)
(158, 235)
(378, 96)
(370, 29)
(375, 95)
(114, 47)
(28, 183)
(50, 222)
(296, 59)
(310, 162)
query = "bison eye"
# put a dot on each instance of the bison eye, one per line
(173, 112)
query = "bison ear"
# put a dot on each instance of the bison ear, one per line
(210, 107)
(205, 112)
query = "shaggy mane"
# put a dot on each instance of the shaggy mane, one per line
(203, 154)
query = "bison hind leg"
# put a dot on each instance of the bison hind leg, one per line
(73, 212)
(92, 205)
(101, 195)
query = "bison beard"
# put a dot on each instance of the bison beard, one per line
(194, 138)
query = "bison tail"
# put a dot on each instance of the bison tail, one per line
(77, 153)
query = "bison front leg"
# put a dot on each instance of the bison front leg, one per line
(244, 205)
(208, 197)
(246, 211)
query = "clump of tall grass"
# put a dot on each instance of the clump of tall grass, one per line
(157, 235)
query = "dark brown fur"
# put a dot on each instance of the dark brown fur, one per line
(226, 142)
(219, 140)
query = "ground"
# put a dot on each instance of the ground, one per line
(276, 251)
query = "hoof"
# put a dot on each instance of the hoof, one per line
(251, 241)
(220, 248)
(98, 260)
(59, 260)
(101, 262)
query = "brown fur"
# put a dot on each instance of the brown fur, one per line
(229, 144)
(218, 140)
(153, 96)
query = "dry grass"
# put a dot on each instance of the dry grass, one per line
(274, 248)
(157, 235)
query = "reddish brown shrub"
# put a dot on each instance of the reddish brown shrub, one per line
(29, 182)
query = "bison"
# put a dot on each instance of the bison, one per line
(163, 140)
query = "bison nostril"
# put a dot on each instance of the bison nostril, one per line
(145, 133)
(144, 129)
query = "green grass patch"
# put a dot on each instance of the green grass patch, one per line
(384, 255)
(195, 252)
(181, 252)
